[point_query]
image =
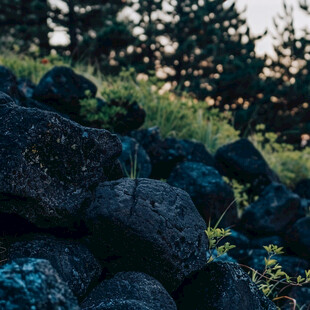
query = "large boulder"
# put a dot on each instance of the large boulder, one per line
(129, 291)
(134, 160)
(148, 226)
(62, 89)
(196, 152)
(240, 160)
(48, 164)
(273, 213)
(210, 194)
(33, 284)
(74, 263)
(165, 154)
(298, 238)
(8, 84)
(221, 286)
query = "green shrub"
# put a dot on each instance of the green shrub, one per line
(290, 165)
(177, 116)
(101, 116)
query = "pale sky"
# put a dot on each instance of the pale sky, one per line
(259, 14)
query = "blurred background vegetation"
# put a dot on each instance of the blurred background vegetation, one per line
(200, 49)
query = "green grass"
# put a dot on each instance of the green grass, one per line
(291, 165)
(179, 116)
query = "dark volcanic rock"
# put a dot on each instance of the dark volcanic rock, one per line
(48, 164)
(196, 152)
(5, 99)
(129, 291)
(221, 286)
(260, 242)
(238, 239)
(8, 84)
(298, 238)
(302, 297)
(164, 154)
(134, 156)
(148, 226)
(34, 104)
(273, 213)
(255, 258)
(242, 161)
(33, 284)
(132, 116)
(73, 261)
(62, 88)
(303, 188)
(209, 192)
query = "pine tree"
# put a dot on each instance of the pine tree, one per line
(23, 24)
(289, 107)
(92, 26)
(151, 34)
(203, 46)
(216, 54)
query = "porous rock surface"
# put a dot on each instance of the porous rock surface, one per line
(129, 291)
(33, 284)
(148, 226)
(240, 160)
(48, 164)
(273, 213)
(298, 238)
(210, 194)
(221, 286)
(74, 263)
